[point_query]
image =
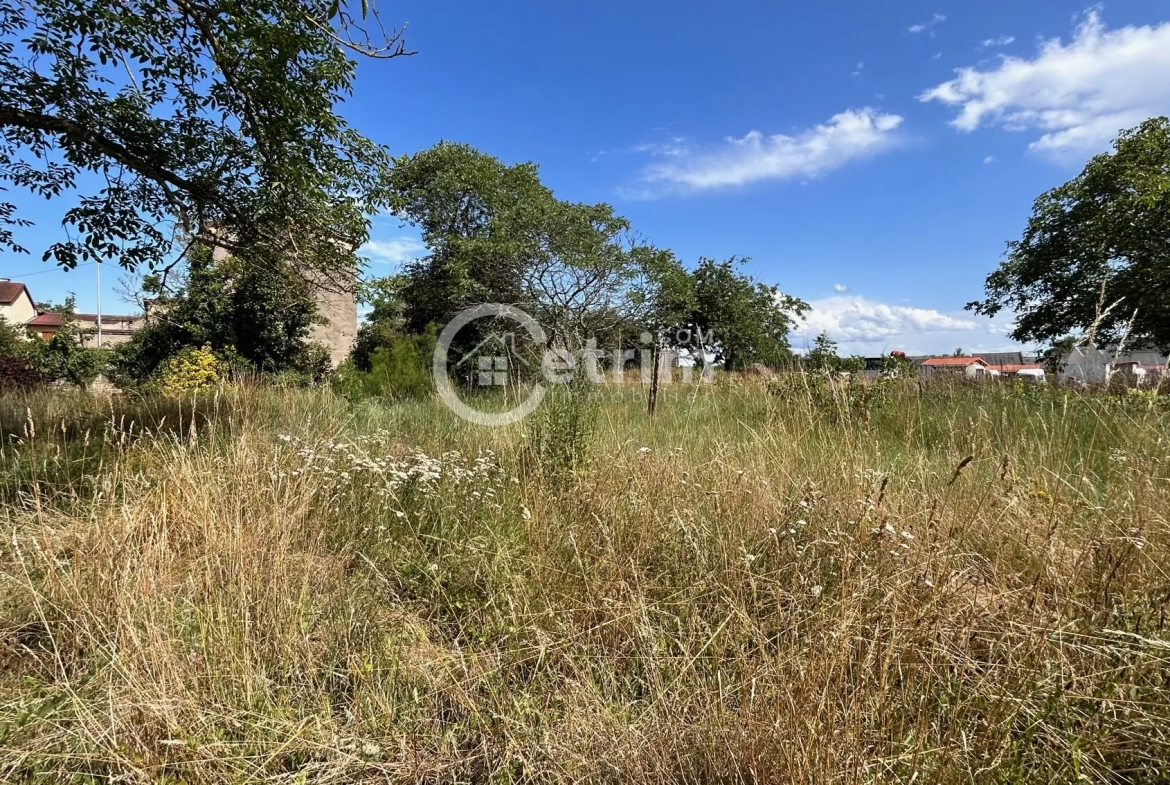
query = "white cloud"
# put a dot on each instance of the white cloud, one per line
(848, 136)
(862, 326)
(922, 28)
(395, 251)
(840, 288)
(1078, 95)
(672, 147)
(989, 159)
(857, 71)
(1003, 40)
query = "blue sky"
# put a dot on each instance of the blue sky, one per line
(871, 158)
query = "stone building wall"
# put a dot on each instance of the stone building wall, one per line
(339, 309)
(336, 303)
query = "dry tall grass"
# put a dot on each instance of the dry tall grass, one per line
(280, 587)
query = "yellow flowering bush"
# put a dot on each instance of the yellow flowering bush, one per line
(191, 370)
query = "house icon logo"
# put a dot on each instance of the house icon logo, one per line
(493, 358)
(491, 362)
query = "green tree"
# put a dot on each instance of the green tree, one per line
(211, 116)
(748, 321)
(383, 324)
(12, 338)
(470, 209)
(257, 318)
(823, 354)
(823, 357)
(64, 357)
(16, 371)
(665, 292)
(397, 368)
(497, 234)
(1096, 251)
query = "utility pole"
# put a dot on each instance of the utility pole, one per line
(656, 354)
(99, 303)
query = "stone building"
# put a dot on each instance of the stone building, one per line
(337, 305)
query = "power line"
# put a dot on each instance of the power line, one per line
(42, 272)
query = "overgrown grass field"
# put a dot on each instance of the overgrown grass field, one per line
(964, 585)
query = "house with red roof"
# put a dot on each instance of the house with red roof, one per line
(16, 304)
(17, 307)
(971, 367)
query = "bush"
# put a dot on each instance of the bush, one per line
(561, 438)
(31, 361)
(400, 369)
(16, 375)
(190, 371)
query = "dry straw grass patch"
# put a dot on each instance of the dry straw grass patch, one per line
(277, 586)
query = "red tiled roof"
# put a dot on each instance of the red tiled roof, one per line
(10, 291)
(959, 361)
(47, 319)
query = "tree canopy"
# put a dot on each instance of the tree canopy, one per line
(181, 119)
(1096, 251)
(257, 317)
(749, 321)
(497, 234)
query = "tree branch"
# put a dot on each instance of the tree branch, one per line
(35, 121)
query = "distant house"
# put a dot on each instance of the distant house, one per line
(115, 328)
(971, 367)
(17, 307)
(1001, 361)
(16, 304)
(46, 324)
(1028, 369)
(1096, 365)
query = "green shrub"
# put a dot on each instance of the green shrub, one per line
(190, 371)
(561, 436)
(399, 369)
(31, 361)
(17, 375)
